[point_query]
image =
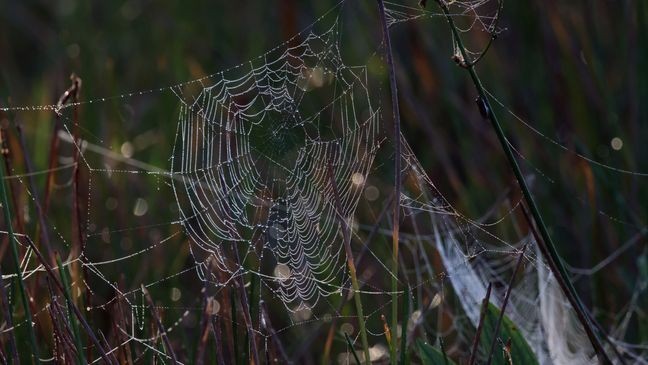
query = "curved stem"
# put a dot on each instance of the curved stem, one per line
(549, 249)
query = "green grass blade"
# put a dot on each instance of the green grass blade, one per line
(431, 356)
(16, 262)
(355, 356)
(403, 341)
(519, 350)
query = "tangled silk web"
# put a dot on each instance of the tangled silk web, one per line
(257, 152)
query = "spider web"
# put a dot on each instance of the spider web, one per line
(251, 160)
(248, 195)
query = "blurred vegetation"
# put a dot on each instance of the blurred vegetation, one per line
(577, 71)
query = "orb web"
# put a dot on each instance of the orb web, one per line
(251, 158)
(249, 176)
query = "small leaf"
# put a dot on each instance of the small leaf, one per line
(431, 356)
(512, 347)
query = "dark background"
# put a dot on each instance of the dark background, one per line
(574, 70)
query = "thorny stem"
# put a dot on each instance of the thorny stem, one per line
(397, 178)
(504, 304)
(351, 264)
(550, 253)
(16, 261)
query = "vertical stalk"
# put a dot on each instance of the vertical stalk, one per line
(16, 261)
(504, 304)
(397, 178)
(549, 252)
(160, 326)
(73, 323)
(240, 284)
(480, 325)
(42, 234)
(70, 302)
(6, 311)
(352, 268)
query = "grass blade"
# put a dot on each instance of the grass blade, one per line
(480, 325)
(351, 264)
(403, 339)
(397, 174)
(16, 262)
(73, 323)
(350, 344)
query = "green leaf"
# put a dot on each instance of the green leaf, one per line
(431, 356)
(519, 350)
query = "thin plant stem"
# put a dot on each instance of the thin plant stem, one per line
(6, 311)
(42, 227)
(480, 325)
(240, 284)
(73, 324)
(160, 326)
(350, 344)
(397, 176)
(550, 253)
(68, 297)
(351, 264)
(16, 262)
(504, 304)
(273, 334)
(403, 341)
(542, 247)
(6, 153)
(216, 329)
